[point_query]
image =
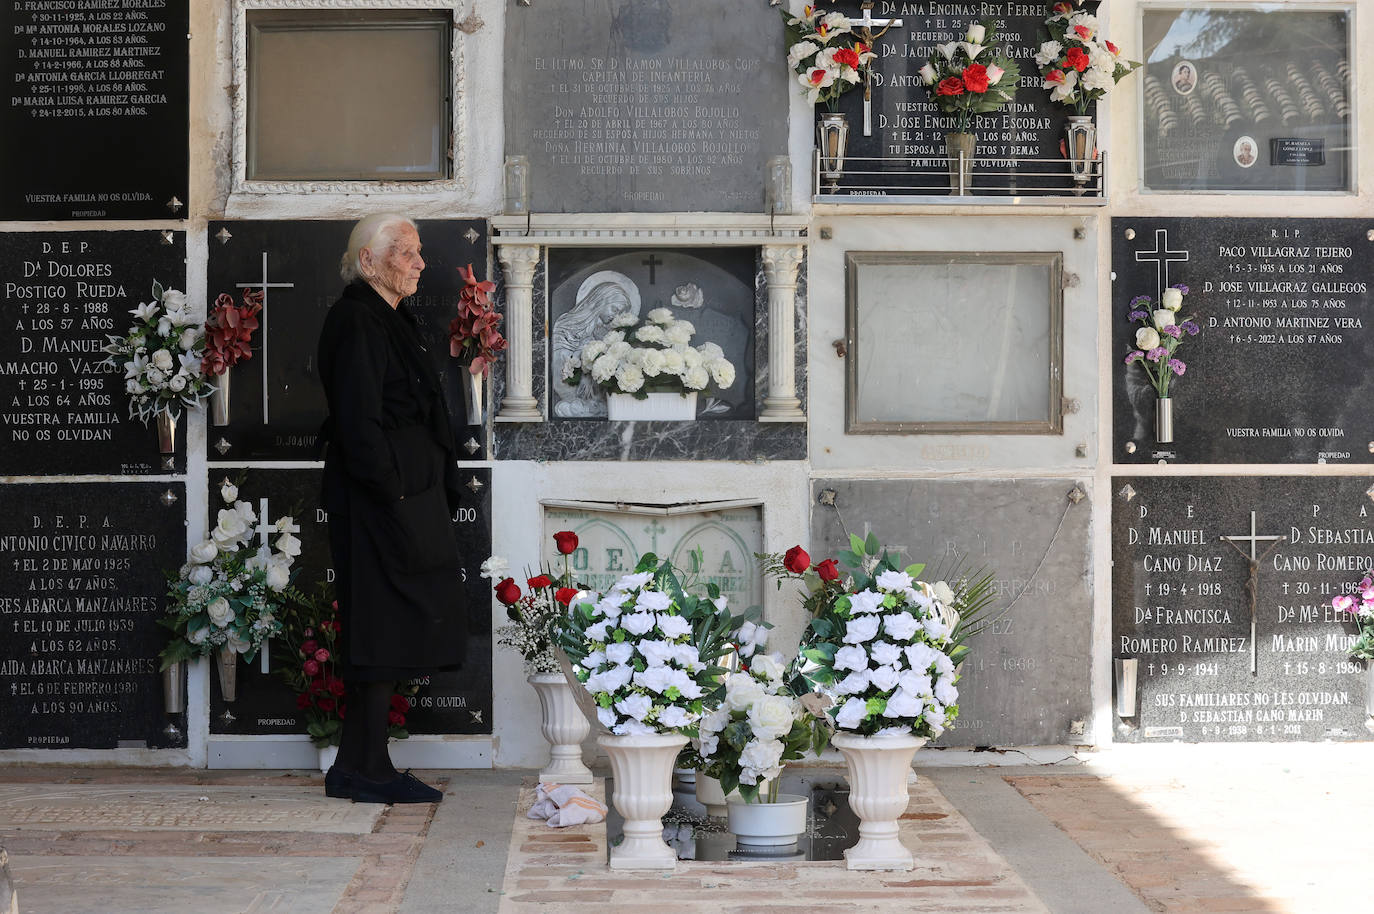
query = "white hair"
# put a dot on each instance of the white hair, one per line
(376, 233)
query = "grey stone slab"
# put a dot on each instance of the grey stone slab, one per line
(646, 105)
(1026, 682)
(206, 885)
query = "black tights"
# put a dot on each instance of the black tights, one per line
(363, 743)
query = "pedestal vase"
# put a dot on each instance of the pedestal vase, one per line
(643, 770)
(564, 726)
(878, 795)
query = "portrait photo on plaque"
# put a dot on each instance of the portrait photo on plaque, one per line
(1242, 97)
(675, 302)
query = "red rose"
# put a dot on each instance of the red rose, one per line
(847, 57)
(310, 667)
(508, 592)
(399, 703)
(953, 85)
(309, 647)
(322, 655)
(396, 718)
(566, 541)
(976, 78)
(796, 560)
(1075, 58)
(565, 595)
(538, 581)
(336, 688)
(302, 701)
(829, 570)
(326, 704)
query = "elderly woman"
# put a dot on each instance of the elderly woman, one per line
(390, 487)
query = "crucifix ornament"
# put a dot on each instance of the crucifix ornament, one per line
(1252, 581)
(864, 29)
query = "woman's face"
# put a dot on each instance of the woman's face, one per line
(395, 274)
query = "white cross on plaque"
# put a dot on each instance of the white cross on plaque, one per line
(264, 530)
(1161, 256)
(264, 285)
(1253, 539)
(864, 29)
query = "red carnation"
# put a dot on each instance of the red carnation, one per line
(847, 57)
(310, 667)
(539, 580)
(796, 560)
(952, 85)
(829, 570)
(508, 592)
(976, 78)
(566, 541)
(1075, 58)
(322, 655)
(399, 703)
(326, 704)
(302, 701)
(565, 595)
(396, 718)
(336, 687)
(309, 648)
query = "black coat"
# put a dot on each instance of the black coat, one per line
(391, 488)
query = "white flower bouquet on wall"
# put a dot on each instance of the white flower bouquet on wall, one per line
(161, 356)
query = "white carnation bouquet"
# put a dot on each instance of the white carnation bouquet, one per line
(885, 649)
(651, 356)
(759, 725)
(647, 651)
(1078, 63)
(229, 593)
(161, 356)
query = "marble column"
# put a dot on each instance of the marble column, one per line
(780, 263)
(518, 262)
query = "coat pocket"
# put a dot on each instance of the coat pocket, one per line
(415, 534)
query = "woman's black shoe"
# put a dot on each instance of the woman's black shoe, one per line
(338, 783)
(404, 788)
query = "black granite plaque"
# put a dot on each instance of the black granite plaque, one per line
(1026, 680)
(1278, 372)
(276, 401)
(1224, 85)
(82, 590)
(646, 105)
(63, 295)
(96, 124)
(908, 130)
(1181, 606)
(458, 702)
(712, 288)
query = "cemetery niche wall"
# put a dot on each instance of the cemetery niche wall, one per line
(456, 702)
(1221, 595)
(1247, 98)
(80, 596)
(65, 294)
(276, 401)
(89, 85)
(1026, 681)
(1277, 372)
(634, 106)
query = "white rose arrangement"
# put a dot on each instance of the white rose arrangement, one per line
(655, 355)
(885, 649)
(647, 651)
(161, 356)
(229, 593)
(757, 727)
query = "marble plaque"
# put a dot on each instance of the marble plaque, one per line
(1224, 653)
(1278, 371)
(1247, 99)
(1027, 680)
(611, 542)
(646, 105)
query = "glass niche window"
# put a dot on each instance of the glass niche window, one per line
(1240, 97)
(949, 343)
(348, 95)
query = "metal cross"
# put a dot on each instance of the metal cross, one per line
(1161, 256)
(1252, 582)
(651, 263)
(865, 31)
(264, 285)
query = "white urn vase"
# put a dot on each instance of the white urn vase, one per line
(768, 825)
(878, 768)
(564, 726)
(643, 770)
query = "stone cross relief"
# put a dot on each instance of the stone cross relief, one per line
(1252, 581)
(264, 285)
